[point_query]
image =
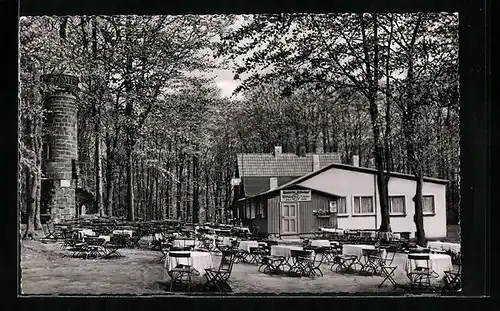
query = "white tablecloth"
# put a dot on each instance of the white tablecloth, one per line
(242, 229)
(227, 240)
(332, 230)
(128, 232)
(245, 245)
(357, 249)
(198, 260)
(320, 243)
(437, 262)
(88, 232)
(184, 243)
(284, 250)
(444, 246)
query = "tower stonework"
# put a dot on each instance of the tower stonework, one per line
(60, 148)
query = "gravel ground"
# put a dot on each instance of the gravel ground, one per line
(45, 270)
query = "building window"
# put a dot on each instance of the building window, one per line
(428, 205)
(46, 151)
(363, 205)
(342, 206)
(397, 205)
(264, 207)
(260, 208)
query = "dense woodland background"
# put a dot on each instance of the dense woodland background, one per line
(156, 140)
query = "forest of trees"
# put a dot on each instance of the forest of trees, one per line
(157, 141)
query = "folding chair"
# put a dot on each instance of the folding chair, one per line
(453, 279)
(330, 252)
(372, 258)
(80, 250)
(95, 247)
(111, 250)
(420, 276)
(218, 277)
(386, 267)
(256, 254)
(271, 264)
(301, 263)
(344, 263)
(181, 271)
(164, 249)
(388, 273)
(319, 258)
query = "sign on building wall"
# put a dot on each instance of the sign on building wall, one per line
(333, 206)
(65, 183)
(295, 195)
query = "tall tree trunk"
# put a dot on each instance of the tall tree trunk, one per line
(38, 153)
(196, 188)
(188, 190)
(130, 184)
(374, 114)
(410, 133)
(207, 189)
(110, 176)
(98, 168)
(180, 172)
(129, 112)
(30, 186)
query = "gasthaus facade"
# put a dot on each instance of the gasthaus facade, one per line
(338, 196)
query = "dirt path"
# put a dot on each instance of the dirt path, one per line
(46, 271)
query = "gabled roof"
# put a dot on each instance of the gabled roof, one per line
(285, 164)
(345, 167)
(255, 185)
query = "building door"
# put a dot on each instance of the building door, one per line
(289, 218)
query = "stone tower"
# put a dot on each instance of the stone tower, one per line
(60, 149)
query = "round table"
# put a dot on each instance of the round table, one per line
(198, 260)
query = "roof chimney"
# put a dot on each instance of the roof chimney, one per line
(273, 183)
(315, 162)
(355, 160)
(277, 151)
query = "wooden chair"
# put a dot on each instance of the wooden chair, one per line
(372, 263)
(271, 264)
(344, 263)
(301, 263)
(453, 278)
(420, 275)
(320, 255)
(181, 272)
(329, 254)
(218, 277)
(256, 254)
(164, 247)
